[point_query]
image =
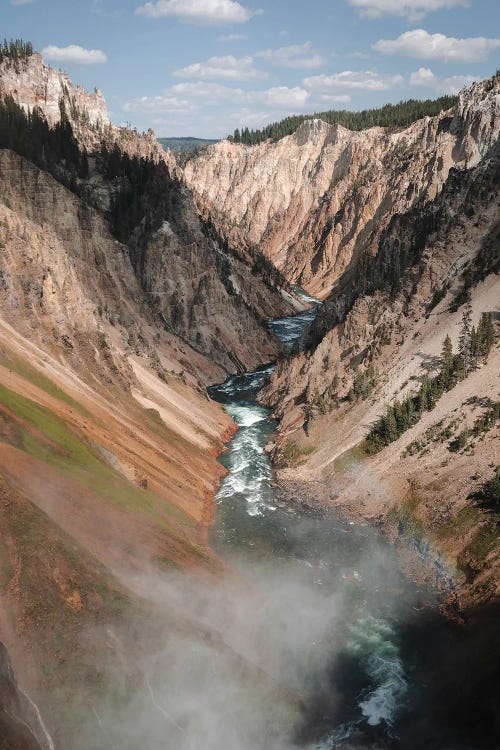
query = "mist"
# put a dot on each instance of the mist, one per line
(245, 661)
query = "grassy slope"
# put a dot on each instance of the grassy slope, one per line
(54, 587)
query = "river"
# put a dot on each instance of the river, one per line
(348, 599)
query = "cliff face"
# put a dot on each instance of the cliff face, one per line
(36, 85)
(108, 442)
(378, 335)
(316, 200)
(194, 285)
(19, 724)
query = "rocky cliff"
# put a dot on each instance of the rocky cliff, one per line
(110, 331)
(20, 726)
(377, 338)
(195, 285)
(36, 85)
(316, 200)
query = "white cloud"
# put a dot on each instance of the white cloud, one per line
(283, 96)
(232, 37)
(454, 84)
(411, 9)
(21, 2)
(227, 68)
(201, 12)
(350, 80)
(420, 44)
(451, 85)
(298, 56)
(74, 54)
(423, 77)
(195, 100)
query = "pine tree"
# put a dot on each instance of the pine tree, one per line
(486, 334)
(464, 341)
(474, 346)
(424, 395)
(391, 427)
(446, 372)
(410, 411)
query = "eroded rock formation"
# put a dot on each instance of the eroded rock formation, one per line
(316, 200)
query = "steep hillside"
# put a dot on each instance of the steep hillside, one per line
(195, 285)
(379, 339)
(118, 305)
(316, 200)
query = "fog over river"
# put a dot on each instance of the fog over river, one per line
(313, 638)
(355, 593)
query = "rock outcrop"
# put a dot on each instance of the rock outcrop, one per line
(35, 85)
(314, 201)
(21, 726)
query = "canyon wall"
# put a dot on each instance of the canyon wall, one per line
(195, 285)
(395, 230)
(314, 201)
(379, 335)
(108, 441)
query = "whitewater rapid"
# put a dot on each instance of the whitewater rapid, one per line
(330, 552)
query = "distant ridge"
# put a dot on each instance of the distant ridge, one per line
(185, 144)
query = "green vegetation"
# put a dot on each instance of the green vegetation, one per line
(484, 423)
(400, 416)
(363, 384)
(390, 116)
(293, 454)
(349, 459)
(438, 295)
(15, 50)
(36, 377)
(62, 449)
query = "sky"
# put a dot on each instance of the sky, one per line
(204, 67)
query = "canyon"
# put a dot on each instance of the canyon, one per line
(314, 201)
(388, 228)
(129, 286)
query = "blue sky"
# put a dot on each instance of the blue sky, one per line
(204, 67)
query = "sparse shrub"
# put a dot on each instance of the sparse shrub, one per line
(402, 415)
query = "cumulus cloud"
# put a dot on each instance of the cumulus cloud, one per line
(202, 12)
(364, 80)
(298, 56)
(419, 43)
(190, 99)
(283, 96)
(452, 85)
(74, 54)
(191, 95)
(411, 9)
(422, 77)
(228, 68)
